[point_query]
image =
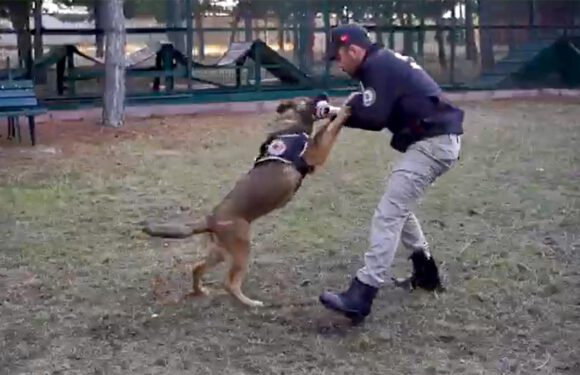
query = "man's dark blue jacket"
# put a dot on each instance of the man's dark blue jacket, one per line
(399, 95)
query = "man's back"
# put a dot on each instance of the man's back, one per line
(404, 71)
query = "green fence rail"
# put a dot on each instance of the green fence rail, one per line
(197, 51)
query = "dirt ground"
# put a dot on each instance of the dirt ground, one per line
(77, 277)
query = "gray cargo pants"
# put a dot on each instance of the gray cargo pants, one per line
(393, 220)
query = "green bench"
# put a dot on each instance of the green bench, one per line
(17, 98)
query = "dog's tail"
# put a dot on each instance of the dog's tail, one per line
(177, 230)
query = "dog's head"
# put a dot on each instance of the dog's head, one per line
(300, 111)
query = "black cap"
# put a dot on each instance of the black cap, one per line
(345, 35)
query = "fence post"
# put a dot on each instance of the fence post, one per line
(258, 66)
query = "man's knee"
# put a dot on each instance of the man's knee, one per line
(403, 190)
(390, 211)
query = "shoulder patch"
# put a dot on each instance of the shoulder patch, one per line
(368, 97)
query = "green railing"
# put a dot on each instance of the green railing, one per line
(463, 44)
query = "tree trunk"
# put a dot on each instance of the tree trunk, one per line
(235, 22)
(408, 36)
(114, 93)
(248, 25)
(486, 36)
(308, 38)
(470, 47)
(19, 12)
(175, 19)
(39, 74)
(441, 43)
(389, 22)
(199, 32)
(391, 35)
(379, 21)
(296, 35)
(99, 24)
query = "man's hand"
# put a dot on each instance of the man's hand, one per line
(343, 113)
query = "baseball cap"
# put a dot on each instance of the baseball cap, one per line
(345, 35)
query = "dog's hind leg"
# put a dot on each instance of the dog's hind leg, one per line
(237, 243)
(215, 255)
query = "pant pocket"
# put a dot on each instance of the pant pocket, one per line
(445, 148)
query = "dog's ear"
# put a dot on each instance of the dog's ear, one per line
(323, 96)
(284, 106)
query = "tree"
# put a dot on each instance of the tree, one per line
(246, 10)
(175, 18)
(282, 11)
(19, 13)
(96, 11)
(115, 36)
(199, 8)
(408, 12)
(39, 73)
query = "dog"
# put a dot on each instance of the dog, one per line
(287, 156)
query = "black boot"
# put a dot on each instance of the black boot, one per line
(425, 273)
(355, 303)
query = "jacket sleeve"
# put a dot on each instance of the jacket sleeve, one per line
(372, 108)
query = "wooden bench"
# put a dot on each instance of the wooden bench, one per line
(17, 98)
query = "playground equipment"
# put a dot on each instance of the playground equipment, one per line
(554, 62)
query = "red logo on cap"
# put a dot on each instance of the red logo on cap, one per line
(344, 38)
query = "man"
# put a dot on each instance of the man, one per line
(397, 94)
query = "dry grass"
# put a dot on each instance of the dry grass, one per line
(75, 273)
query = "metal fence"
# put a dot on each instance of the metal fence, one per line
(457, 42)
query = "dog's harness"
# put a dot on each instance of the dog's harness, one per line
(286, 148)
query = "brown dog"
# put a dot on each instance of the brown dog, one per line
(286, 157)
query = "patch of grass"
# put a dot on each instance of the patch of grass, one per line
(503, 224)
(33, 201)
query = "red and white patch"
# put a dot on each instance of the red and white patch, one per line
(277, 147)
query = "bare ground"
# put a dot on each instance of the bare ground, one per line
(77, 278)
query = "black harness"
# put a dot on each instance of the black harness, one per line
(286, 148)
